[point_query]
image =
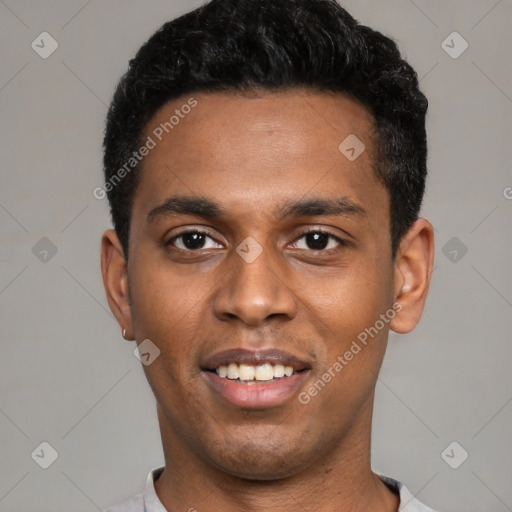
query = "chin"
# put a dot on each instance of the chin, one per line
(264, 459)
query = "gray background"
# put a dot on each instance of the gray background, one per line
(67, 377)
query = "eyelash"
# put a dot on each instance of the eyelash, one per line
(340, 241)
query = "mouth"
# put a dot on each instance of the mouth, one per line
(259, 379)
(247, 373)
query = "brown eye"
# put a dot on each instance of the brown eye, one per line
(193, 241)
(317, 240)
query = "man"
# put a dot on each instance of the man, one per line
(265, 164)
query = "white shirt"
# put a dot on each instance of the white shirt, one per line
(148, 500)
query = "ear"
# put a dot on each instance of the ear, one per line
(115, 281)
(413, 270)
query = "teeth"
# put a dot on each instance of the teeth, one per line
(247, 372)
(278, 370)
(264, 372)
(232, 371)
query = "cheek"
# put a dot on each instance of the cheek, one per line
(353, 301)
(347, 315)
(162, 299)
(167, 311)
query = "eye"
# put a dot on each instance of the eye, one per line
(193, 240)
(318, 240)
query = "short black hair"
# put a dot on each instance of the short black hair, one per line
(274, 45)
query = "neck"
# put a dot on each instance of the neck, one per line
(341, 480)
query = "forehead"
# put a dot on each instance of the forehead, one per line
(260, 148)
(297, 119)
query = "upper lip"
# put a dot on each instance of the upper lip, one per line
(255, 358)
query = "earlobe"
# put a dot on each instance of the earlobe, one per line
(115, 281)
(413, 270)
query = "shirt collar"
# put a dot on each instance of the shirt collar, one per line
(151, 501)
(408, 503)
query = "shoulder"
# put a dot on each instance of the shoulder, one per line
(134, 504)
(146, 501)
(408, 502)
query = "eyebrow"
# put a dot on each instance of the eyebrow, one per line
(187, 205)
(204, 207)
(320, 206)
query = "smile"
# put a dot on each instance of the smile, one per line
(249, 373)
(255, 380)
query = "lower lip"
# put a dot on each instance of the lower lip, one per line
(257, 394)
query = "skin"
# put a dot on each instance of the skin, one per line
(251, 154)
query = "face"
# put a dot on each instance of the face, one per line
(259, 255)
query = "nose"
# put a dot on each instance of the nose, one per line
(254, 292)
